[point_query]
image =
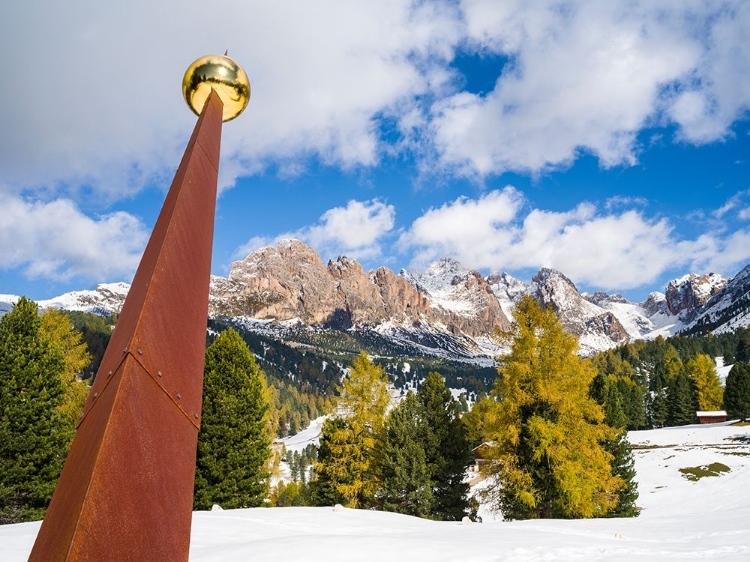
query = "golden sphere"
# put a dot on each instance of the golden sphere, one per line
(221, 73)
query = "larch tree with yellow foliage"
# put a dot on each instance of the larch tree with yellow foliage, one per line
(545, 432)
(702, 371)
(344, 472)
(58, 330)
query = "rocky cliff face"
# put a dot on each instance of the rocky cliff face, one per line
(595, 327)
(446, 309)
(291, 282)
(687, 294)
(726, 310)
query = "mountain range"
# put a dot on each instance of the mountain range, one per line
(446, 310)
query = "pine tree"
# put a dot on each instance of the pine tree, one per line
(737, 392)
(702, 371)
(447, 449)
(547, 433)
(680, 401)
(405, 484)
(34, 431)
(233, 443)
(347, 443)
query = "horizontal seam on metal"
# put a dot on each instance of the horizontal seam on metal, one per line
(153, 378)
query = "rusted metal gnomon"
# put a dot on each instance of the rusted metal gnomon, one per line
(126, 491)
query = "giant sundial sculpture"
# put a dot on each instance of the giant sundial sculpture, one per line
(126, 490)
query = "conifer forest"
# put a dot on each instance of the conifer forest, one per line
(401, 433)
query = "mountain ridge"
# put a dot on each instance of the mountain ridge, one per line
(446, 305)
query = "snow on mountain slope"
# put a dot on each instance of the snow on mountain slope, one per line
(105, 299)
(445, 285)
(681, 520)
(508, 290)
(446, 309)
(727, 310)
(7, 302)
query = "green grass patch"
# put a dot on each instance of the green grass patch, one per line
(695, 473)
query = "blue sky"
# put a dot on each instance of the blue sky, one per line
(608, 140)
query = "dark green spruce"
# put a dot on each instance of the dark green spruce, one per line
(405, 484)
(608, 392)
(34, 435)
(737, 392)
(233, 443)
(447, 449)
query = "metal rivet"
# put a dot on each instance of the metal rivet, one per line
(140, 351)
(195, 416)
(178, 396)
(109, 374)
(125, 350)
(158, 373)
(96, 394)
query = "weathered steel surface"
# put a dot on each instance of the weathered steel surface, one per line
(126, 491)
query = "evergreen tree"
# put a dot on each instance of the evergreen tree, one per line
(547, 433)
(658, 408)
(737, 392)
(35, 431)
(347, 444)
(605, 390)
(447, 449)
(623, 467)
(633, 400)
(233, 443)
(680, 401)
(405, 485)
(702, 371)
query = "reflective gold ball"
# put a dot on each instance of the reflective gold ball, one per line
(221, 73)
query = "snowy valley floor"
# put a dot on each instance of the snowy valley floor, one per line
(707, 519)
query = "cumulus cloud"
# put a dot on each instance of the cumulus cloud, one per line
(96, 97)
(355, 230)
(91, 108)
(608, 250)
(57, 241)
(89, 105)
(589, 76)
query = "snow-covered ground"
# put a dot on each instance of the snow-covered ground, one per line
(708, 519)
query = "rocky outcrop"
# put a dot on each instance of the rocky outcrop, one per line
(447, 305)
(727, 310)
(689, 293)
(291, 282)
(596, 327)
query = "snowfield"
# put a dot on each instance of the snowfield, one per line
(707, 519)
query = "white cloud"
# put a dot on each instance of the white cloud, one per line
(611, 250)
(95, 89)
(94, 98)
(56, 240)
(355, 230)
(590, 76)
(714, 252)
(736, 204)
(472, 229)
